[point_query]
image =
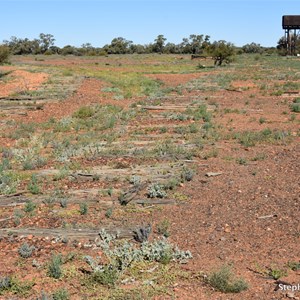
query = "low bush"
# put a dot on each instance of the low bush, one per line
(224, 281)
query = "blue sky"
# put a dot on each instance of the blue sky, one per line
(97, 22)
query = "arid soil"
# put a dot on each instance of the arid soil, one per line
(245, 214)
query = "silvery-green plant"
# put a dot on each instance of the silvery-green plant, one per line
(156, 191)
(26, 250)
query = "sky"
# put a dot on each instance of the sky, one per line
(75, 22)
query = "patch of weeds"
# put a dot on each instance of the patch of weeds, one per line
(109, 212)
(295, 107)
(180, 197)
(142, 234)
(213, 153)
(259, 156)
(135, 179)
(5, 164)
(187, 174)
(294, 266)
(110, 192)
(84, 112)
(107, 276)
(277, 273)
(172, 184)
(251, 138)
(241, 161)
(83, 208)
(23, 131)
(8, 182)
(25, 251)
(63, 202)
(62, 174)
(292, 117)
(262, 120)
(33, 186)
(156, 190)
(34, 163)
(18, 215)
(29, 207)
(54, 267)
(61, 294)
(163, 228)
(193, 128)
(123, 254)
(199, 113)
(224, 281)
(16, 287)
(163, 129)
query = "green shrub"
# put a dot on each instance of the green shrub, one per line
(295, 107)
(83, 208)
(4, 54)
(29, 207)
(224, 281)
(277, 273)
(54, 267)
(33, 186)
(84, 112)
(187, 175)
(163, 228)
(108, 276)
(61, 294)
(13, 285)
(25, 250)
(156, 191)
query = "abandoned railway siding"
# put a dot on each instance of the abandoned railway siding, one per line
(109, 161)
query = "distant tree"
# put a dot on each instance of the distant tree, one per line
(70, 50)
(88, 49)
(198, 43)
(222, 51)
(137, 48)
(282, 44)
(118, 45)
(171, 48)
(159, 43)
(53, 50)
(252, 48)
(26, 46)
(4, 54)
(46, 41)
(194, 44)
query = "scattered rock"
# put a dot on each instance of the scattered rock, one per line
(213, 174)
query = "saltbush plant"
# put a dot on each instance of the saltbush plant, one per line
(26, 250)
(224, 281)
(54, 267)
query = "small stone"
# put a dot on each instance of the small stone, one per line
(212, 174)
(290, 295)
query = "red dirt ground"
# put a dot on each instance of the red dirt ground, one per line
(248, 216)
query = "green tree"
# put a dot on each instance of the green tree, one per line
(222, 51)
(198, 43)
(4, 54)
(118, 45)
(158, 46)
(252, 48)
(46, 41)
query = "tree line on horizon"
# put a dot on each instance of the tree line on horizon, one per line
(194, 44)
